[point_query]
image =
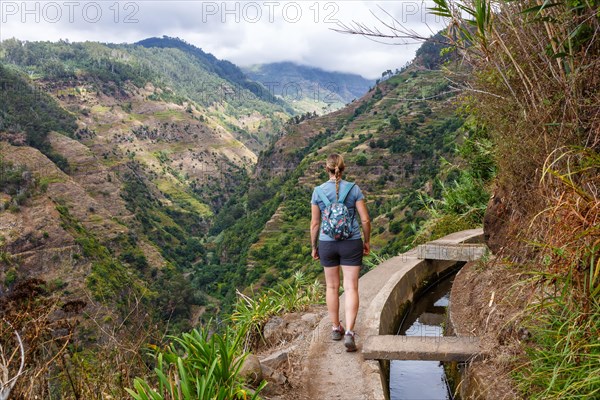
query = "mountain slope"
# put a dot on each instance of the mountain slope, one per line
(136, 191)
(148, 144)
(307, 88)
(393, 141)
(177, 76)
(137, 157)
(223, 68)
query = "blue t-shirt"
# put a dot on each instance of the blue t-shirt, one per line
(354, 195)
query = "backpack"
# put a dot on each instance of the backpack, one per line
(336, 221)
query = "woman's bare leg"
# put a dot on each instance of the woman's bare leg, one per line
(332, 294)
(351, 294)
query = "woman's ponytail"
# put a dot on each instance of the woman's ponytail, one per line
(335, 165)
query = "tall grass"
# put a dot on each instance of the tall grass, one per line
(205, 365)
(251, 312)
(535, 82)
(197, 365)
(563, 357)
(571, 240)
(466, 197)
(373, 260)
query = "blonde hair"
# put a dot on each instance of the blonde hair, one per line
(335, 165)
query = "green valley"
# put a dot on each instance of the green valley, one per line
(154, 200)
(154, 175)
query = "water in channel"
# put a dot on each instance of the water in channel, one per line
(423, 380)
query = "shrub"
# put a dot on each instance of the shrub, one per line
(10, 276)
(361, 160)
(396, 227)
(252, 312)
(197, 365)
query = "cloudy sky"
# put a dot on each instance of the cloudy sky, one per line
(244, 32)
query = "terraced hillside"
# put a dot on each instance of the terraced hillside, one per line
(191, 193)
(124, 160)
(394, 139)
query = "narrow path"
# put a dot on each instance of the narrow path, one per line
(333, 373)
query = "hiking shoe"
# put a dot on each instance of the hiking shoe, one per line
(349, 341)
(337, 333)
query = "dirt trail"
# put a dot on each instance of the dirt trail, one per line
(331, 372)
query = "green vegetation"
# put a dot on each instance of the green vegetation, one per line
(465, 195)
(223, 68)
(119, 270)
(109, 280)
(10, 276)
(404, 155)
(182, 199)
(535, 79)
(205, 365)
(252, 312)
(238, 226)
(24, 108)
(175, 230)
(179, 72)
(18, 183)
(435, 52)
(176, 233)
(197, 365)
(563, 360)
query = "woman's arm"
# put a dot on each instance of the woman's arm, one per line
(365, 221)
(315, 223)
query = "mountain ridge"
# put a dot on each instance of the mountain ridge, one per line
(327, 90)
(224, 68)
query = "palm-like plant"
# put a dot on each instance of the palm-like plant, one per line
(198, 365)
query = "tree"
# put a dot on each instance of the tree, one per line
(395, 123)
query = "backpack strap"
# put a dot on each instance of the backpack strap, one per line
(322, 196)
(345, 192)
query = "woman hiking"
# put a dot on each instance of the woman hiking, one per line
(336, 241)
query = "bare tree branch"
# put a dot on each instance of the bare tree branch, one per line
(396, 31)
(7, 383)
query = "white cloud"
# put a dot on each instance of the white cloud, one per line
(244, 32)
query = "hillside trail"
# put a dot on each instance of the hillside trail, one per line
(332, 372)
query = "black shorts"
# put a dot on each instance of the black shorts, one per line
(342, 252)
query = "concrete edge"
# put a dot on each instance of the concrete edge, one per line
(426, 348)
(388, 305)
